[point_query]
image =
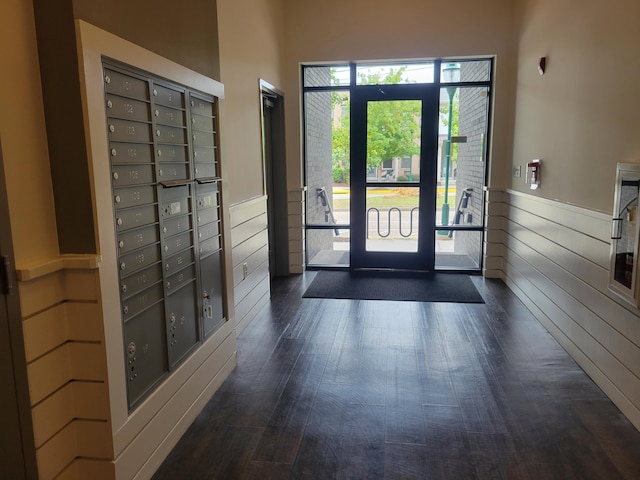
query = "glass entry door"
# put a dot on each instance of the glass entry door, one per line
(394, 148)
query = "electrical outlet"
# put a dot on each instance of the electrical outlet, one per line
(517, 172)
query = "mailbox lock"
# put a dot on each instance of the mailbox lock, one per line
(115, 175)
(109, 104)
(124, 288)
(168, 285)
(125, 309)
(156, 113)
(158, 133)
(155, 92)
(123, 266)
(107, 79)
(172, 318)
(159, 152)
(114, 152)
(121, 244)
(112, 128)
(117, 198)
(119, 221)
(160, 172)
(131, 349)
(164, 229)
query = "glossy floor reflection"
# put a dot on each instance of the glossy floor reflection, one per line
(344, 389)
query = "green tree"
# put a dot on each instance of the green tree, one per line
(392, 131)
(341, 148)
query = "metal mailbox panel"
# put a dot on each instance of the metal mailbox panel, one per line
(124, 175)
(128, 131)
(172, 171)
(209, 246)
(205, 170)
(174, 205)
(179, 261)
(134, 196)
(128, 218)
(171, 135)
(145, 352)
(138, 303)
(130, 152)
(121, 84)
(201, 107)
(207, 215)
(178, 193)
(209, 230)
(176, 225)
(182, 322)
(204, 154)
(172, 153)
(177, 280)
(176, 243)
(203, 139)
(137, 238)
(169, 116)
(128, 109)
(140, 280)
(158, 147)
(211, 284)
(134, 261)
(168, 96)
(207, 195)
(202, 123)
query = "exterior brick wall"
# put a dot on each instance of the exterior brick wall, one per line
(470, 168)
(318, 145)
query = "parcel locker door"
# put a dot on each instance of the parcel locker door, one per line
(145, 352)
(209, 252)
(182, 321)
(211, 280)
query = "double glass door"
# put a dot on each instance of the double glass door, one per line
(394, 133)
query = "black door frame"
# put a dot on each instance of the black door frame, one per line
(275, 177)
(424, 258)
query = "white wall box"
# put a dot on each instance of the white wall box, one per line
(623, 279)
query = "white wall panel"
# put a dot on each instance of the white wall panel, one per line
(556, 259)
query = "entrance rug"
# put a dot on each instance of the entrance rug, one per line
(386, 285)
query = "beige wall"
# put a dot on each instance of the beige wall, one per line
(251, 39)
(184, 32)
(582, 116)
(24, 141)
(335, 30)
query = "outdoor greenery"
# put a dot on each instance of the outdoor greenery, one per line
(392, 130)
(392, 127)
(387, 198)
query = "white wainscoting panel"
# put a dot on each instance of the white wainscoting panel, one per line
(556, 259)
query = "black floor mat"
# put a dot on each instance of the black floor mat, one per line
(387, 285)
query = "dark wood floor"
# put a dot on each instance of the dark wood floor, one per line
(349, 389)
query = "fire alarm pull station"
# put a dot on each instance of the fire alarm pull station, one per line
(533, 174)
